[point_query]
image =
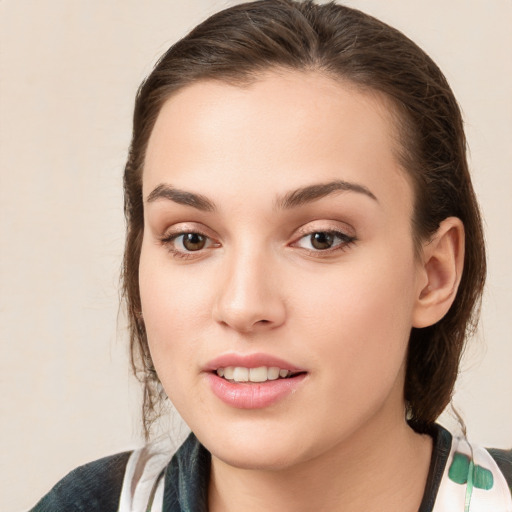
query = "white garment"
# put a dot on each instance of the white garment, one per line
(455, 497)
(143, 478)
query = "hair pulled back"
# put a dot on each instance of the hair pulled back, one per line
(238, 44)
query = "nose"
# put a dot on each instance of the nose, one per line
(249, 296)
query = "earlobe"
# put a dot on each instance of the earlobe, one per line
(440, 273)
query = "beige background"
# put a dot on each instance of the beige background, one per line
(68, 74)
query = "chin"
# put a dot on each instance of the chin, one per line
(259, 459)
(256, 448)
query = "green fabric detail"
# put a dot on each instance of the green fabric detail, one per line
(482, 478)
(461, 467)
(469, 487)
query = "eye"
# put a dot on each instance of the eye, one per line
(185, 244)
(191, 241)
(324, 240)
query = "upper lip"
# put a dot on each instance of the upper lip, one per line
(250, 361)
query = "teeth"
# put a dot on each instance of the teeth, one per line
(273, 373)
(228, 372)
(241, 374)
(260, 374)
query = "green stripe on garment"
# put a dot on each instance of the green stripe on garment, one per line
(461, 467)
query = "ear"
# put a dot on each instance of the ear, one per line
(440, 271)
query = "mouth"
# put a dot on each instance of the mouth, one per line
(253, 381)
(260, 374)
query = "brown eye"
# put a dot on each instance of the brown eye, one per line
(326, 241)
(188, 244)
(193, 241)
(322, 240)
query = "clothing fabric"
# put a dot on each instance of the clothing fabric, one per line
(94, 487)
(462, 477)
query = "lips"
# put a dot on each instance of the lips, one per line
(252, 381)
(251, 361)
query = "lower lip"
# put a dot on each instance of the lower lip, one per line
(253, 395)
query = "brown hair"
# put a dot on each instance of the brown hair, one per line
(238, 44)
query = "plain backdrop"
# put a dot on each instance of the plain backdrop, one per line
(69, 70)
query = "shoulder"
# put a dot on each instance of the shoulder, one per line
(475, 475)
(463, 473)
(96, 486)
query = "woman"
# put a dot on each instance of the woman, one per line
(304, 260)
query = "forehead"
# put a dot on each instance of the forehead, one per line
(286, 125)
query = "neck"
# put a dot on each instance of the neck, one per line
(381, 467)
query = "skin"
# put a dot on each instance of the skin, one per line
(340, 441)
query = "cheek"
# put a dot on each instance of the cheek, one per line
(360, 318)
(174, 307)
(171, 294)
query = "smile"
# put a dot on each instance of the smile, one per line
(260, 374)
(253, 381)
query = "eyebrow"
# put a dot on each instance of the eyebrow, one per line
(183, 197)
(311, 193)
(292, 199)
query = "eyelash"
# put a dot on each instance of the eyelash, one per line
(346, 241)
(169, 242)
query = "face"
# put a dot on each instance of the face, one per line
(277, 272)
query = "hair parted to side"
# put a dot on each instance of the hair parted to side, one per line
(237, 45)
